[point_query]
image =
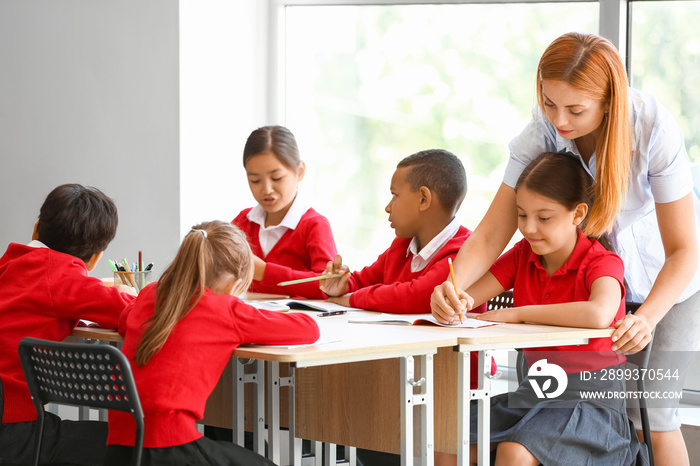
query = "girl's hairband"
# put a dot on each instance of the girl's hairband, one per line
(204, 232)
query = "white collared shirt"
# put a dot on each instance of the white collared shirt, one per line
(37, 244)
(269, 236)
(427, 253)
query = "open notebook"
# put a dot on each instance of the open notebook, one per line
(419, 319)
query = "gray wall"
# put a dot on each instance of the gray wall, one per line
(89, 94)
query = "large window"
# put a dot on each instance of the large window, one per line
(665, 61)
(366, 85)
(369, 85)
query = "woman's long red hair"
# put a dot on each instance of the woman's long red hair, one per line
(593, 66)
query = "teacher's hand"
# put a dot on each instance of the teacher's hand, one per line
(446, 305)
(632, 333)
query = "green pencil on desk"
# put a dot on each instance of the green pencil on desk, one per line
(310, 279)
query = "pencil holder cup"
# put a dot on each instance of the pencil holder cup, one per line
(137, 280)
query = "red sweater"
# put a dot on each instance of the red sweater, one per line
(388, 285)
(300, 253)
(175, 384)
(43, 294)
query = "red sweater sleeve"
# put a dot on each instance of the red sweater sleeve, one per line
(273, 328)
(409, 297)
(76, 295)
(388, 285)
(370, 275)
(315, 235)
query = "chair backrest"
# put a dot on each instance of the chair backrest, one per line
(81, 374)
(504, 299)
(641, 360)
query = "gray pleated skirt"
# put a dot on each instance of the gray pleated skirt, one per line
(568, 430)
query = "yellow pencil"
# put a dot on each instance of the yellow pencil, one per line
(310, 279)
(454, 283)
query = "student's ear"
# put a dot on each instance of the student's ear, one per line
(35, 233)
(426, 199)
(235, 287)
(301, 171)
(580, 212)
(90, 264)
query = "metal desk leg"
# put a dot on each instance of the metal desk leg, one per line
(294, 442)
(424, 399)
(463, 370)
(238, 401)
(257, 378)
(482, 395)
(259, 409)
(351, 455)
(317, 453)
(274, 382)
(273, 409)
(330, 453)
(102, 415)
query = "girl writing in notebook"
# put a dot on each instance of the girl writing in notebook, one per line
(180, 333)
(289, 239)
(559, 276)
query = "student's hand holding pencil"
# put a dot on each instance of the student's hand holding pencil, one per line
(446, 311)
(335, 286)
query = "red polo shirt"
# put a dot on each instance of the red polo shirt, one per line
(520, 269)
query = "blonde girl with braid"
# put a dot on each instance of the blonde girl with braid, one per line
(180, 333)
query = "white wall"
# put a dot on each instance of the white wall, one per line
(89, 94)
(223, 91)
(149, 101)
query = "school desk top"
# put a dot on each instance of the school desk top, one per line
(374, 347)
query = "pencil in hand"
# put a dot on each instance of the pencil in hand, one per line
(310, 279)
(454, 283)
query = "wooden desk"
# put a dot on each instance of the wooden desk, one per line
(97, 333)
(505, 336)
(355, 392)
(312, 383)
(372, 386)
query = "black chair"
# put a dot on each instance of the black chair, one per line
(641, 360)
(505, 300)
(79, 374)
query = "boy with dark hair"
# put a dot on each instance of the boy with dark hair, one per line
(441, 172)
(427, 189)
(44, 291)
